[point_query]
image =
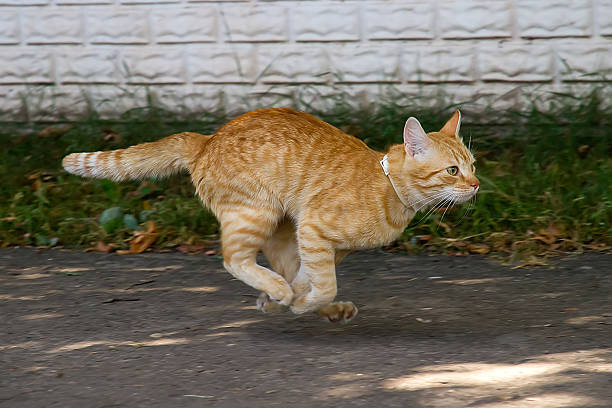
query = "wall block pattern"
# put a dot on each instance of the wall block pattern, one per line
(61, 58)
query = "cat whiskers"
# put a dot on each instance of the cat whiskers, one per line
(446, 198)
(468, 208)
(441, 200)
(428, 200)
(470, 144)
(452, 202)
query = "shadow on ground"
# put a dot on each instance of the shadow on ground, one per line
(169, 330)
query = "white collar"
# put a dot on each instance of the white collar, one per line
(385, 166)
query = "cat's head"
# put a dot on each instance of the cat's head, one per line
(440, 166)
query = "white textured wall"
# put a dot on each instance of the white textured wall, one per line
(65, 56)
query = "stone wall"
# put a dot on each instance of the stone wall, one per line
(65, 57)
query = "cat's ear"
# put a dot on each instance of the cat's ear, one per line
(451, 127)
(415, 138)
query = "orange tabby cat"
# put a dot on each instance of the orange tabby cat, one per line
(301, 191)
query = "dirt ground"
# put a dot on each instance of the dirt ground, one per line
(171, 330)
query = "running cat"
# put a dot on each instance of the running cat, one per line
(301, 191)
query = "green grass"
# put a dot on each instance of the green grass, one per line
(539, 169)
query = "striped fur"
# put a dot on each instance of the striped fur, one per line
(163, 158)
(303, 192)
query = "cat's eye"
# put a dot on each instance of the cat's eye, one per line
(452, 170)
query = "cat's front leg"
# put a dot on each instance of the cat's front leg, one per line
(323, 290)
(315, 283)
(335, 312)
(310, 300)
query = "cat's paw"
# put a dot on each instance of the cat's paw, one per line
(338, 312)
(282, 294)
(267, 305)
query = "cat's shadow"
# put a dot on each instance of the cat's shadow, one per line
(364, 326)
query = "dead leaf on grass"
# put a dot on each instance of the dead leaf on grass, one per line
(40, 179)
(457, 253)
(501, 240)
(111, 136)
(444, 225)
(52, 131)
(190, 249)
(142, 240)
(101, 247)
(454, 242)
(600, 246)
(549, 235)
(531, 261)
(142, 191)
(479, 248)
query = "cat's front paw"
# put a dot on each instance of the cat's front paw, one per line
(282, 294)
(338, 312)
(267, 305)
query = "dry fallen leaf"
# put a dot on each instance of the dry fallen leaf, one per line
(479, 248)
(34, 176)
(101, 247)
(532, 261)
(454, 242)
(550, 235)
(39, 177)
(444, 225)
(51, 131)
(501, 240)
(143, 190)
(190, 249)
(142, 240)
(210, 252)
(111, 136)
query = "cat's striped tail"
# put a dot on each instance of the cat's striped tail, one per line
(163, 158)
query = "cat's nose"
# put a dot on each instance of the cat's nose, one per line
(475, 184)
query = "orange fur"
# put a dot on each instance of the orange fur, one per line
(302, 191)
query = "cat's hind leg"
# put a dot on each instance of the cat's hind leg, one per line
(244, 232)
